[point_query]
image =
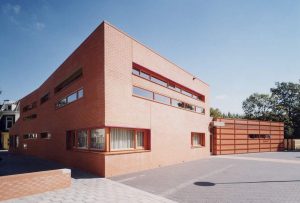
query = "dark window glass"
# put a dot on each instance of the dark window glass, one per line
(142, 93)
(25, 136)
(162, 99)
(61, 103)
(135, 71)
(45, 98)
(76, 75)
(30, 117)
(158, 81)
(97, 139)
(145, 75)
(70, 139)
(177, 103)
(82, 139)
(45, 135)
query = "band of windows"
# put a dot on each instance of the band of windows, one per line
(69, 99)
(198, 139)
(166, 100)
(119, 139)
(166, 83)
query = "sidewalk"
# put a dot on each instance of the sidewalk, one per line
(93, 190)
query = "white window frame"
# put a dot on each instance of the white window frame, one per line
(6, 122)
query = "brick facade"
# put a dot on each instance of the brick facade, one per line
(106, 58)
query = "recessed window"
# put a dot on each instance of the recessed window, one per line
(45, 135)
(30, 106)
(190, 107)
(82, 141)
(173, 87)
(158, 81)
(97, 139)
(9, 122)
(142, 93)
(30, 117)
(145, 75)
(177, 103)
(135, 71)
(30, 136)
(70, 139)
(198, 139)
(186, 93)
(69, 99)
(45, 98)
(162, 99)
(200, 109)
(121, 139)
(72, 97)
(73, 77)
(140, 139)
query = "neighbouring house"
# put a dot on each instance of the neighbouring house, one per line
(9, 114)
(115, 106)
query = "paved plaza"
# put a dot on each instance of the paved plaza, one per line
(260, 177)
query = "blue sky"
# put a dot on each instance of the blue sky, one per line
(238, 47)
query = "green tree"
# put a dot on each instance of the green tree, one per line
(258, 106)
(286, 107)
(215, 113)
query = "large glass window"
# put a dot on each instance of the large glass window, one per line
(200, 109)
(177, 103)
(82, 141)
(70, 140)
(140, 139)
(135, 71)
(80, 93)
(71, 98)
(97, 139)
(142, 93)
(145, 75)
(121, 139)
(162, 99)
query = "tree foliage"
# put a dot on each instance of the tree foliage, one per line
(282, 104)
(216, 113)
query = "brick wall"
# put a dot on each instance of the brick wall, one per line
(14, 186)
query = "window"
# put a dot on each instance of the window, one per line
(166, 83)
(70, 139)
(200, 109)
(69, 99)
(186, 93)
(9, 122)
(140, 139)
(198, 139)
(30, 117)
(97, 139)
(158, 81)
(177, 103)
(121, 139)
(45, 135)
(162, 99)
(72, 97)
(30, 136)
(142, 93)
(190, 107)
(45, 98)
(80, 93)
(256, 136)
(145, 75)
(14, 141)
(82, 141)
(29, 107)
(173, 87)
(76, 75)
(135, 71)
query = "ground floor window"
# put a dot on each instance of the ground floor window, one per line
(98, 139)
(198, 139)
(119, 139)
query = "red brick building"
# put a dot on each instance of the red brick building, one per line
(115, 106)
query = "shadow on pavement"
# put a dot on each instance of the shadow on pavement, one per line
(249, 182)
(11, 164)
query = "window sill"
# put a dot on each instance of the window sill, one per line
(199, 146)
(109, 153)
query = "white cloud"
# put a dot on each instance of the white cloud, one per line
(221, 97)
(39, 25)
